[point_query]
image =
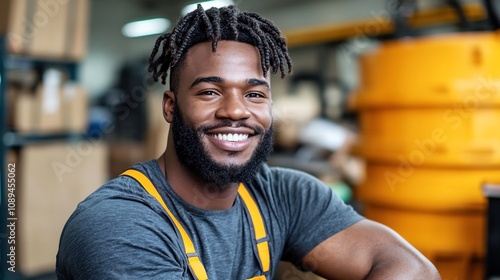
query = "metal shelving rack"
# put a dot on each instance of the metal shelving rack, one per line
(15, 140)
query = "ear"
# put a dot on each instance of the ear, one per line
(168, 106)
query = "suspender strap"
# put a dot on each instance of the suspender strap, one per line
(259, 228)
(261, 277)
(194, 261)
(261, 239)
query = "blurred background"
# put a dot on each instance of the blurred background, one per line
(395, 104)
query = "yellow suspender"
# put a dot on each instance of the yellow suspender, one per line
(258, 226)
(194, 261)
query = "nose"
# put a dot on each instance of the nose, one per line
(232, 106)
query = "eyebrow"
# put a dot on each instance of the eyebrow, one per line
(258, 82)
(216, 79)
(211, 79)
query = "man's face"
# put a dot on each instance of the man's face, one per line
(223, 114)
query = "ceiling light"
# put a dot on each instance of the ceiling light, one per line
(145, 27)
(206, 5)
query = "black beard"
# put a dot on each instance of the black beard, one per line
(193, 155)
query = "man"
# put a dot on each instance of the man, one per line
(210, 207)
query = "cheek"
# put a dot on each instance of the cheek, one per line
(200, 115)
(264, 117)
(194, 113)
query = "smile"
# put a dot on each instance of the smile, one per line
(231, 137)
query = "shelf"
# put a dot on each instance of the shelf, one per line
(343, 31)
(16, 139)
(23, 63)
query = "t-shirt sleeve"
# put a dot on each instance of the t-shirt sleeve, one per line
(118, 239)
(313, 213)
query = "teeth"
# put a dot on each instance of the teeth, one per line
(231, 137)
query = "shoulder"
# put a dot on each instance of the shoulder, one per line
(121, 188)
(283, 174)
(107, 240)
(119, 220)
(118, 202)
(289, 194)
(288, 182)
(119, 206)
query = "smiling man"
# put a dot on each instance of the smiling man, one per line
(209, 207)
(221, 115)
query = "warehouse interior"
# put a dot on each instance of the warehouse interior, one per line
(395, 104)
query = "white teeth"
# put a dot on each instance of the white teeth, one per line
(231, 137)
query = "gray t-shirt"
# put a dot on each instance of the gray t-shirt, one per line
(121, 232)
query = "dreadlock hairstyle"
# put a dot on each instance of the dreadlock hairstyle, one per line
(215, 24)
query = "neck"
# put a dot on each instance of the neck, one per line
(194, 191)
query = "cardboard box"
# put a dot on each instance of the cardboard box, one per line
(49, 29)
(54, 107)
(74, 107)
(48, 108)
(4, 16)
(23, 111)
(54, 178)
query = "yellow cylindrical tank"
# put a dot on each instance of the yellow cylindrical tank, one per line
(429, 113)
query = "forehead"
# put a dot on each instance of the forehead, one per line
(231, 59)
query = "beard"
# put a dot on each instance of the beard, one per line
(193, 155)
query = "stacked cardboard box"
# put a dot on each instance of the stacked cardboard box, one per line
(52, 179)
(50, 29)
(53, 106)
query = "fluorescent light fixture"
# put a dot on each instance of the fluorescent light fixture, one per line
(145, 27)
(206, 5)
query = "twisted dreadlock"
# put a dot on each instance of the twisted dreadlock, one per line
(215, 24)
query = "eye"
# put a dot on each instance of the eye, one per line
(208, 92)
(255, 95)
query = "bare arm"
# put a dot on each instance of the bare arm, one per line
(369, 250)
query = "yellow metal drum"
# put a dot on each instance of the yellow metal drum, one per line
(432, 136)
(435, 71)
(430, 133)
(422, 188)
(453, 241)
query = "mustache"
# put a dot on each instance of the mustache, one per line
(229, 123)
